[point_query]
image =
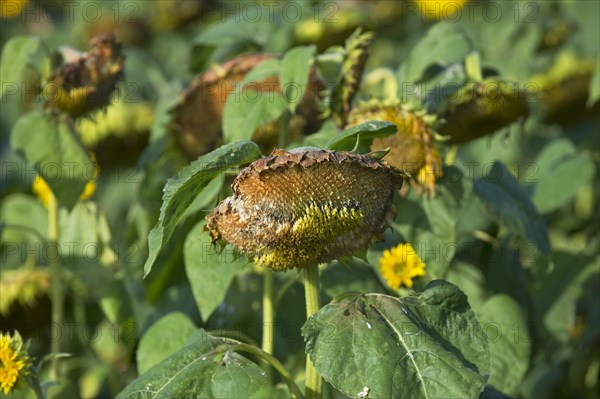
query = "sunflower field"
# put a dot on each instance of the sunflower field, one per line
(300, 199)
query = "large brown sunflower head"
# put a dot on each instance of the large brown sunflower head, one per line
(306, 206)
(196, 119)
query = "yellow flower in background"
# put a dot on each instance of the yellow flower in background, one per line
(11, 8)
(439, 9)
(14, 361)
(42, 190)
(400, 265)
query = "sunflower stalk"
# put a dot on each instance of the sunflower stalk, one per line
(57, 292)
(313, 381)
(268, 315)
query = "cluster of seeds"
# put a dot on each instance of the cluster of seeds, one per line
(293, 209)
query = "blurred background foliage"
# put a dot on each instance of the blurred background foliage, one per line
(514, 221)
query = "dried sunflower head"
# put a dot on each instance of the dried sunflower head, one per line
(564, 89)
(196, 119)
(411, 148)
(482, 108)
(87, 82)
(306, 206)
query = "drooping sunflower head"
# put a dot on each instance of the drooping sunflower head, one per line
(14, 361)
(306, 206)
(563, 90)
(87, 82)
(411, 148)
(481, 108)
(400, 265)
(196, 119)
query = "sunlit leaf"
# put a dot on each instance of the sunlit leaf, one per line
(293, 77)
(509, 204)
(17, 54)
(163, 338)
(510, 342)
(245, 110)
(180, 191)
(209, 272)
(562, 171)
(421, 346)
(51, 147)
(365, 132)
(205, 367)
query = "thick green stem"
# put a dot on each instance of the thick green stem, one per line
(268, 315)
(287, 377)
(267, 303)
(57, 292)
(314, 382)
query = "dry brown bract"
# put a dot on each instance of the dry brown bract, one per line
(307, 206)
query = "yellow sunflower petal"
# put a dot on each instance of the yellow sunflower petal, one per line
(400, 265)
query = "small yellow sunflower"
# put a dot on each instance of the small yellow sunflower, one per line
(400, 265)
(439, 9)
(14, 361)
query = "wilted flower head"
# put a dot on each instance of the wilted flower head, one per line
(482, 108)
(86, 82)
(411, 148)
(400, 265)
(564, 89)
(14, 361)
(307, 206)
(196, 120)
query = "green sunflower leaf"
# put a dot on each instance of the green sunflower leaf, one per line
(426, 345)
(206, 367)
(52, 148)
(181, 191)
